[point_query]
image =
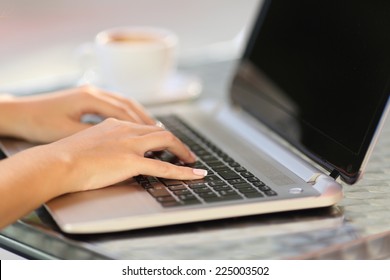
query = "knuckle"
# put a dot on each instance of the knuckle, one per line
(123, 109)
(88, 90)
(166, 170)
(112, 122)
(168, 136)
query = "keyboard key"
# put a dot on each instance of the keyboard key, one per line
(222, 188)
(236, 181)
(201, 190)
(197, 185)
(253, 179)
(258, 184)
(216, 164)
(177, 188)
(170, 203)
(153, 179)
(197, 164)
(248, 190)
(240, 169)
(166, 156)
(253, 195)
(213, 199)
(221, 198)
(170, 182)
(211, 178)
(209, 158)
(200, 152)
(230, 192)
(191, 202)
(166, 199)
(186, 197)
(270, 193)
(264, 188)
(192, 182)
(229, 175)
(146, 185)
(216, 183)
(207, 194)
(246, 174)
(180, 192)
(158, 192)
(230, 197)
(234, 164)
(242, 186)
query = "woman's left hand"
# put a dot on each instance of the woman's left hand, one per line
(49, 117)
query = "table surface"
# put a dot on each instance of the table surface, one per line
(356, 228)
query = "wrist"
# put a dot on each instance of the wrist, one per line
(29, 179)
(48, 171)
(13, 117)
(57, 164)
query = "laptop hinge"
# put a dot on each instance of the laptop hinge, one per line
(313, 179)
(334, 174)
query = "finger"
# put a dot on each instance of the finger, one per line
(167, 170)
(126, 129)
(108, 107)
(132, 129)
(133, 105)
(165, 140)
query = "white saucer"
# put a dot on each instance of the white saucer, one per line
(179, 87)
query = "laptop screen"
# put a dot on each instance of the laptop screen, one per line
(317, 72)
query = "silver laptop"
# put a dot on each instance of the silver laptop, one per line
(304, 110)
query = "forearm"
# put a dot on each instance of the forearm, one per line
(12, 116)
(28, 180)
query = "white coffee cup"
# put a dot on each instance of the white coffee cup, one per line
(135, 61)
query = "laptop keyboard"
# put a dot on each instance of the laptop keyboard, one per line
(227, 180)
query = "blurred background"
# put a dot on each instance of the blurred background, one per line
(40, 39)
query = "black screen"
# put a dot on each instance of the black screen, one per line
(318, 73)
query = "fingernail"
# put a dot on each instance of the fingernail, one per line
(160, 124)
(199, 172)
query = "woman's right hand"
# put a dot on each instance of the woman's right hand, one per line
(102, 155)
(114, 150)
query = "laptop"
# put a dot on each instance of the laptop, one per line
(305, 107)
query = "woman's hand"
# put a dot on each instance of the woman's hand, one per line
(96, 157)
(114, 150)
(49, 117)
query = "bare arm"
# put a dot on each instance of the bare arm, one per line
(91, 158)
(27, 181)
(97, 157)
